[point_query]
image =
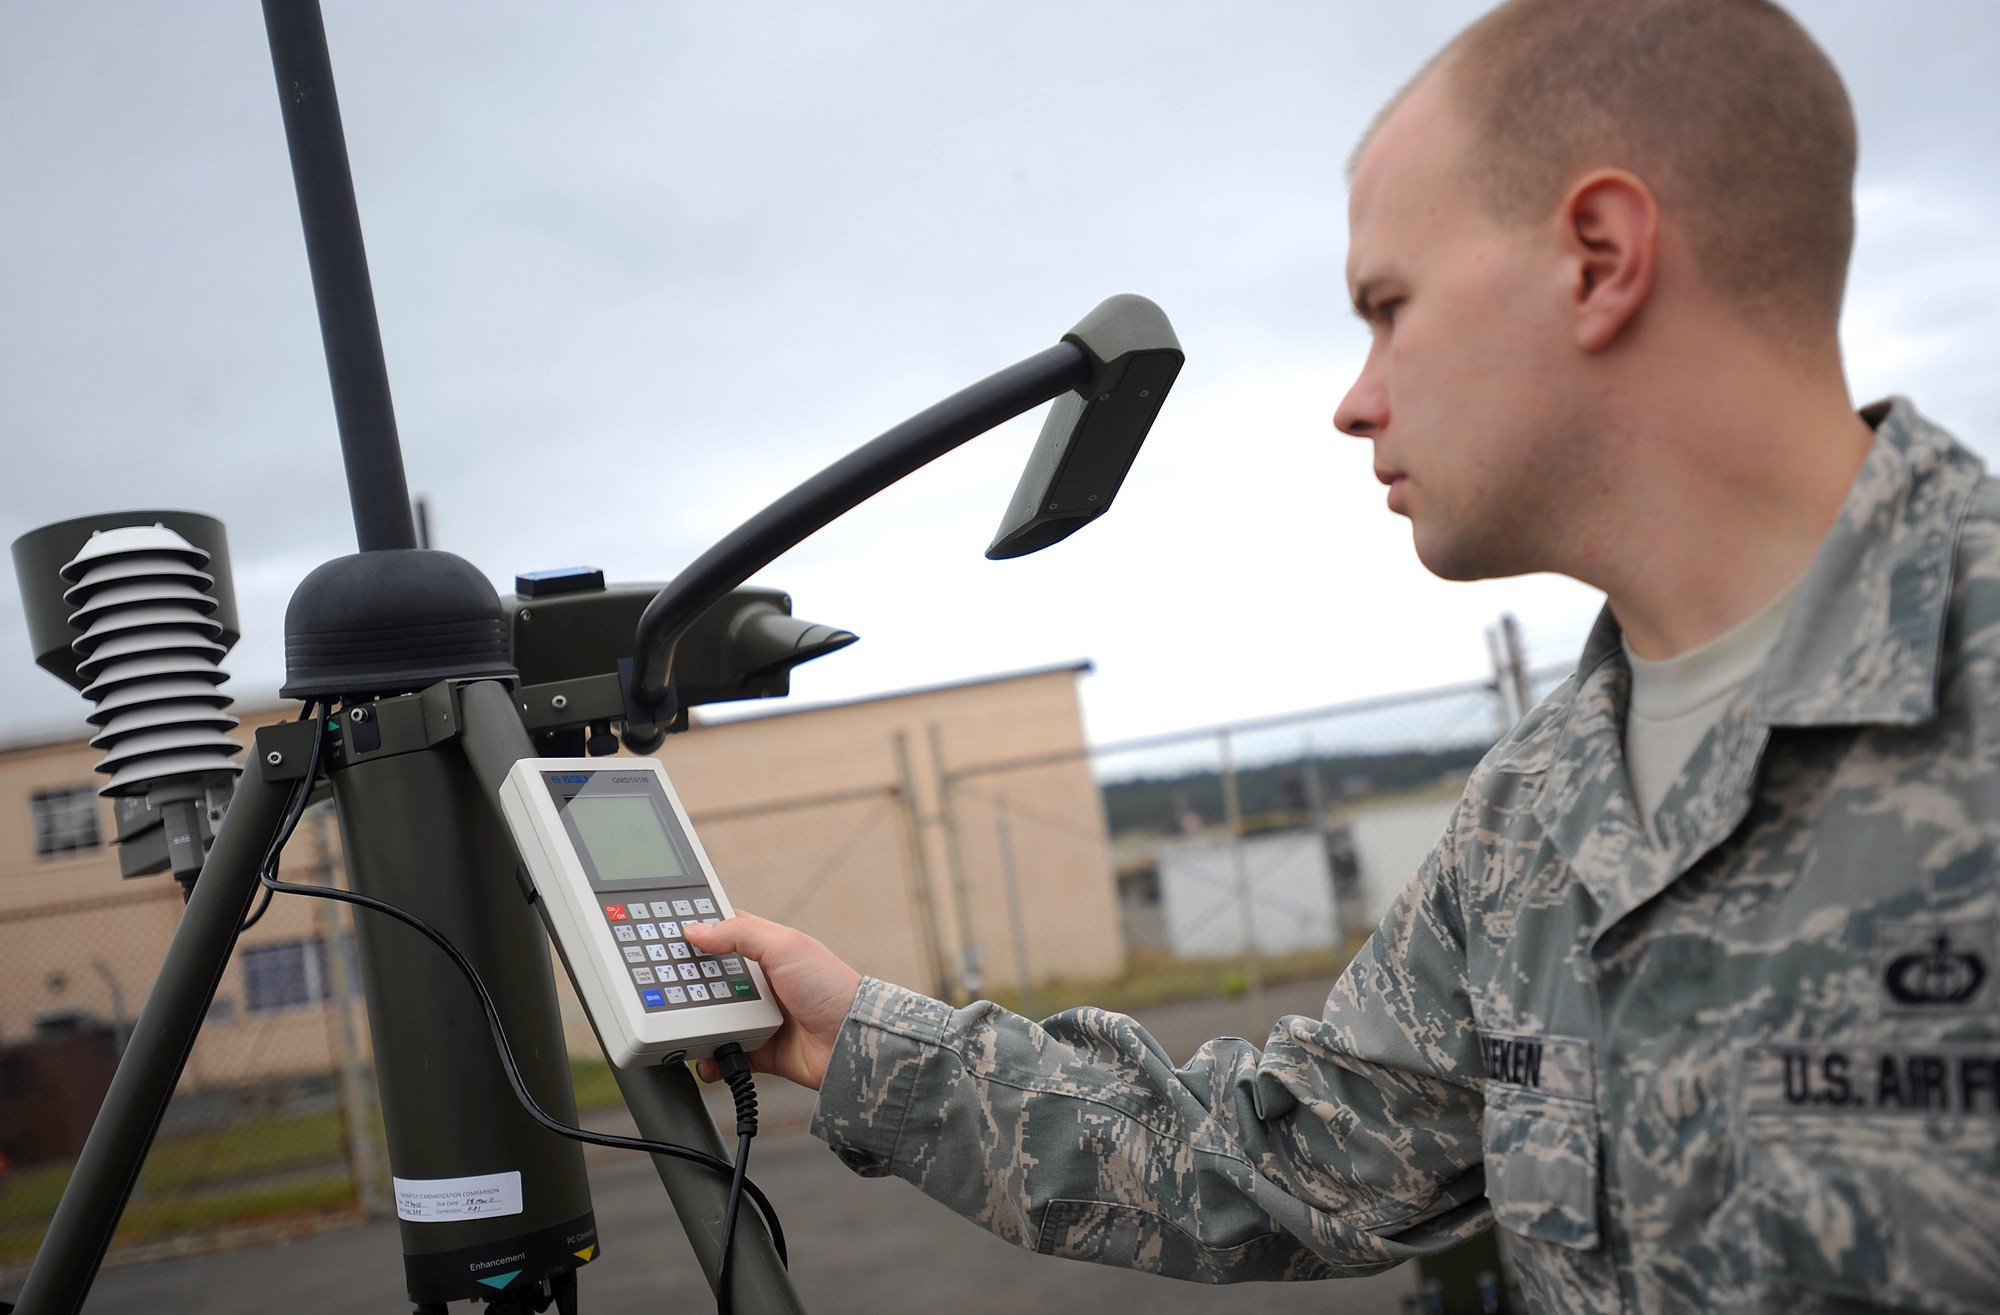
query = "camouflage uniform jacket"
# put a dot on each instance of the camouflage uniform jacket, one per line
(1750, 1065)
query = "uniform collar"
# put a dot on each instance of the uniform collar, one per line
(1863, 640)
(1861, 645)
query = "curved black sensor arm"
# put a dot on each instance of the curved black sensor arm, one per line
(1115, 368)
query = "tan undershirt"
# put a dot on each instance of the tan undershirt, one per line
(1676, 700)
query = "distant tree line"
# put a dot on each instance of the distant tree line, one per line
(1276, 793)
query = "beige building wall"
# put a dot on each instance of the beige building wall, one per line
(908, 914)
(77, 937)
(807, 815)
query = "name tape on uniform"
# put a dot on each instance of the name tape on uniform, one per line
(1554, 1065)
(1949, 1078)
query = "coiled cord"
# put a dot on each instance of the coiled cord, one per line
(735, 1066)
(739, 1183)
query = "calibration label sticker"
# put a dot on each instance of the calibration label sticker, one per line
(1948, 1078)
(436, 1200)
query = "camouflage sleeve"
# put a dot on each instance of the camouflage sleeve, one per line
(1350, 1144)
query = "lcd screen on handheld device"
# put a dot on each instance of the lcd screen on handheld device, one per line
(626, 838)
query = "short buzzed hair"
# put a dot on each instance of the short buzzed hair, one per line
(1730, 112)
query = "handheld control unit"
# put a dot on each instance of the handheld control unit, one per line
(616, 863)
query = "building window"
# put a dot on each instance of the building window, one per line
(290, 973)
(278, 975)
(65, 820)
(1139, 886)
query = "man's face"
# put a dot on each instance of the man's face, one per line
(1462, 394)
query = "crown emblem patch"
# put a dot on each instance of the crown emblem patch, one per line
(1933, 968)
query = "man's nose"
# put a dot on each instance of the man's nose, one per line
(1364, 412)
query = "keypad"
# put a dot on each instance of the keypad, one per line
(666, 970)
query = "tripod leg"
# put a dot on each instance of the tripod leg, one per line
(665, 1102)
(91, 1204)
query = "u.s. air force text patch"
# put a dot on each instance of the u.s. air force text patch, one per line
(1961, 1078)
(1553, 1065)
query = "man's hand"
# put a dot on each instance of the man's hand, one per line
(814, 990)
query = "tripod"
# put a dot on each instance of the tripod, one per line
(425, 689)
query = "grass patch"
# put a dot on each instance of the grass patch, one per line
(596, 1086)
(146, 1221)
(1158, 979)
(194, 1160)
(246, 1150)
(32, 1193)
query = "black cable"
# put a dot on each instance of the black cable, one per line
(291, 822)
(735, 1067)
(267, 874)
(263, 905)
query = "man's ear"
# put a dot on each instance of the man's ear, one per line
(1611, 227)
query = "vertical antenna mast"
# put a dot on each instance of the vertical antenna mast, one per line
(355, 366)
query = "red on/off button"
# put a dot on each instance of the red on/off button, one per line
(615, 912)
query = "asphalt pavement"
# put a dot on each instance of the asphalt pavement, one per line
(859, 1246)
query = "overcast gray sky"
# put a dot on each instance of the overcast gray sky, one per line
(641, 267)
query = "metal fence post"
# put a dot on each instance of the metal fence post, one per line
(970, 977)
(1003, 836)
(350, 1079)
(1239, 867)
(920, 866)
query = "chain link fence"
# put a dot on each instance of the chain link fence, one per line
(272, 1129)
(1204, 881)
(1234, 858)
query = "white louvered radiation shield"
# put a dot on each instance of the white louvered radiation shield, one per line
(149, 652)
